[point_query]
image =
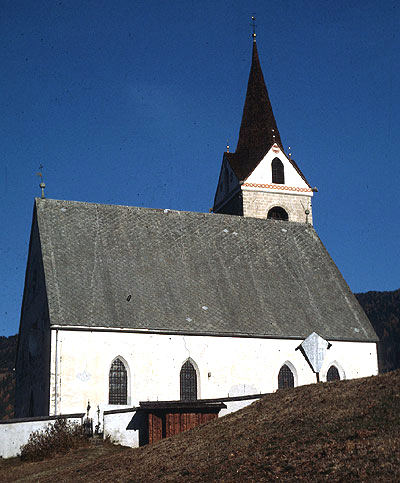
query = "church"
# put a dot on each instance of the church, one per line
(127, 306)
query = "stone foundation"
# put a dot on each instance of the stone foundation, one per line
(256, 204)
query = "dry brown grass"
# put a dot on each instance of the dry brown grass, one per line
(347, 430)
(58, 437)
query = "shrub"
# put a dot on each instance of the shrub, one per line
(56, 438)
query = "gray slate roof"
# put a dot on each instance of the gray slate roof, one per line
(138, 268)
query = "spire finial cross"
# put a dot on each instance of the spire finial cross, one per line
(253, 24)
(40, 172)
(41, 185)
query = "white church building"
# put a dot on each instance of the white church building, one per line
(126, 305)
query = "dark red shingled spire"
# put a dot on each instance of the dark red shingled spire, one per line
(258, 122)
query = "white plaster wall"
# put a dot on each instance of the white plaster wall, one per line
(116, 427)
(13, 435)
(263, 172)
(363, 362)
(232, 406)
(227, 366)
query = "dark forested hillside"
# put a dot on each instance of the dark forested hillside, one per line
(383, 310)
(8, 347)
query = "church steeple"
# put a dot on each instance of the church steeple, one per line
(258, 179)
(258, 130)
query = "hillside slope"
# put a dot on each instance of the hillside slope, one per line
(336, 431)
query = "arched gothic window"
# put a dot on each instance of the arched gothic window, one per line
(277, 213)
(285, 377)
(188, 379)
(278, 173)
(333, 374)
(118, 383)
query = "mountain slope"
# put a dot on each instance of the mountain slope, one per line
(383, 310)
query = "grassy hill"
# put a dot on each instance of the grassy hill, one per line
(346, 430)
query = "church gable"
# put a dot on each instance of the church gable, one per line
(276, 169)
(277, 189)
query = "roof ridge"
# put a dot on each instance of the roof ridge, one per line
(166, 211)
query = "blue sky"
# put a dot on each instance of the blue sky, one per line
(132, 103)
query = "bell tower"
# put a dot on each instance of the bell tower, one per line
(259, 179)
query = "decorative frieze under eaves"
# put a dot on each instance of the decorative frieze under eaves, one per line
(277, 188)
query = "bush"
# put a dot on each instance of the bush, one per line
(56, 438)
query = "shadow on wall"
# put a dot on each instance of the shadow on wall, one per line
(140, 422)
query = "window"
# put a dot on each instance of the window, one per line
(277, 213)
(118, 383)
(278, 174)
(332, 374)
(285, 378)
(188, 378)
